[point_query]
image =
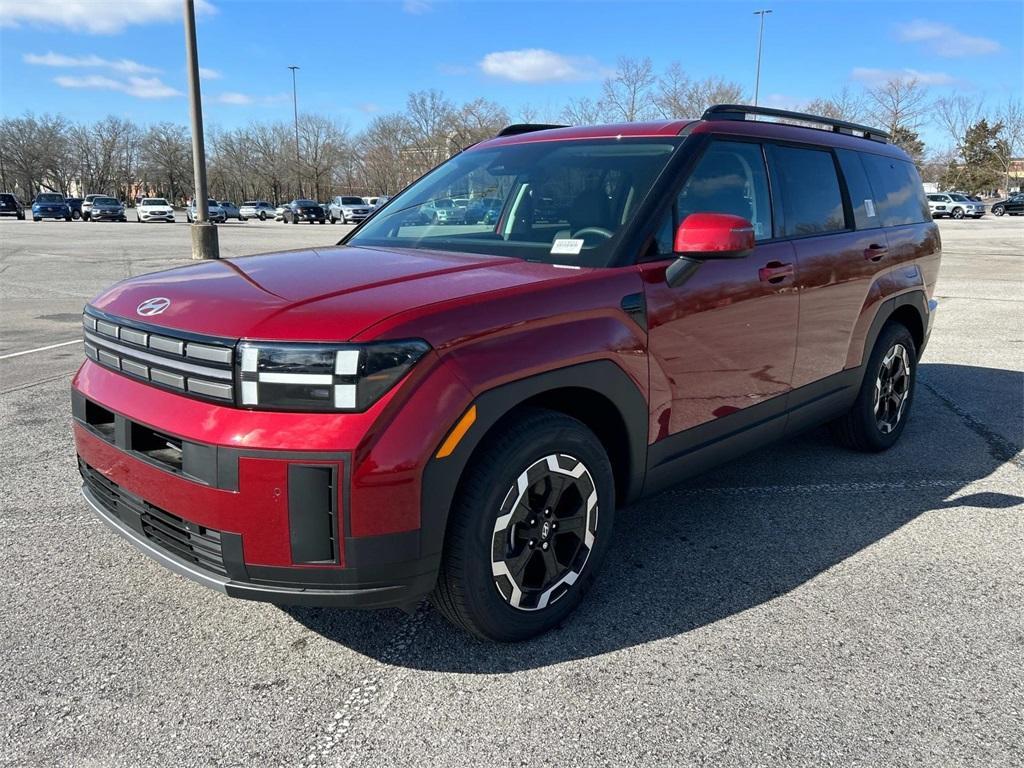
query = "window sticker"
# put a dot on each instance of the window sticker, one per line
(869, 207)
(567, 246)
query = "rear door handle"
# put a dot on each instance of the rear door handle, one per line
(775, 272)
(875, 252)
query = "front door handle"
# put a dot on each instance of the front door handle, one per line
(875, 252)
(775, 272)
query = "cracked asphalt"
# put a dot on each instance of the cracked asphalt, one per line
(803, 605)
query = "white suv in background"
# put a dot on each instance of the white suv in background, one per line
(257, 209)
(348, 209)
(954, 205)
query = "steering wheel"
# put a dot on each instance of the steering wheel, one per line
(607, 234)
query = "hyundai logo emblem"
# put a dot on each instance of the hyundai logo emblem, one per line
(153, 306)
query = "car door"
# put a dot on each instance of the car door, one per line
(1015, 204)
(722, 344)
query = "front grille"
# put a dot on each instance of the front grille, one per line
(200, 368)
(186, 540)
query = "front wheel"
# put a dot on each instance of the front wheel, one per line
(958, 213)
(529, 528)
(879, 415)
(76, 215)
(998, 210)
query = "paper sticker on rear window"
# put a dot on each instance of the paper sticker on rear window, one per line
(567, 246)
(869, 207)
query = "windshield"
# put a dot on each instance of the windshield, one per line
(562, 202)
(46, 198)
(960, 198)
(153, 201)
(352, 201)
(104, 201)
(306, 202)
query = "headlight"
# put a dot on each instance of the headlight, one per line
(322, 377)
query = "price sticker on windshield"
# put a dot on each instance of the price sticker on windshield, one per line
(567, 246)
(869, 207)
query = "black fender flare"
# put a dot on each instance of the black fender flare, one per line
(441, 476)
(915, 298)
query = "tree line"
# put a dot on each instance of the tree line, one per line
(265, 160)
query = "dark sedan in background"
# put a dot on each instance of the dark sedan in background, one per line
(304, 210)
(1013, 205)
(11, 206)
(107, 208)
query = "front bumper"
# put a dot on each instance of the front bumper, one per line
(111, 215)
(51, 214)
(157, 216)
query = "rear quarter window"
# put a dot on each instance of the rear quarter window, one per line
(899, 195)
(812, 202)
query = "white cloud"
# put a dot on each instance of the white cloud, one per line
(537, 65)
(97, 18)
(873, 76)
(945, 40)
(140, 87)
(236, 99)
(51, 59)
(417, 7)
(233, 98)
(368, 107)
(205, 73)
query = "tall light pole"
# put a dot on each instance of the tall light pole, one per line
(760, 41)
(204, 234)
(295, 109)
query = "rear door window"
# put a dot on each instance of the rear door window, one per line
(899, 195)
(865, 211)
(812, 202)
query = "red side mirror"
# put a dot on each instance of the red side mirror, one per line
(714, 236)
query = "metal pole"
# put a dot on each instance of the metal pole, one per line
(760, 41)
(295, 108)
(204, 236)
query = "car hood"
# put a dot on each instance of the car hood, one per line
(325, 294)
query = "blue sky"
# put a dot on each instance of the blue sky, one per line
(90, 58)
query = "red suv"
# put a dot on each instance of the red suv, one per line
(457, 410)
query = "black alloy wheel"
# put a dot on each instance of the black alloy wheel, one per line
(998, 210)
(892, 388)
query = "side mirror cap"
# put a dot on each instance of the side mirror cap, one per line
(704, 236)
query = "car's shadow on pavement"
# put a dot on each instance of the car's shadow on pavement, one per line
(738, 537)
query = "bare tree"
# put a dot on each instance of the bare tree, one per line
(165, 161)
(955, 115)
(382, 152)
(843, 105)
(628, 94)
(1010, 146)
(899, 102)
(477, 120)
(583, 111)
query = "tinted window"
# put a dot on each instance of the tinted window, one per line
(49, 198)
(865, 214)
(899, 196)
(730, 178)
(811, 201)
(352, 201)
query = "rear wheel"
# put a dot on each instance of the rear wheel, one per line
(529, 528)
(76, 215)
(263, 215)
(879, 415)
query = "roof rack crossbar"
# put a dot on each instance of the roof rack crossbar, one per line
(740, 112)
(519, 128)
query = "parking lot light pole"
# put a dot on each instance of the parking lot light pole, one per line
(760, 41)
(295, 110)
(204, 234)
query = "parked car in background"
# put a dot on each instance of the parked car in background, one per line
(954, 205)
(348, 209)
(414, 413)
(483, 210)
(256, 209)
(87, 204)
(1013, 205)
(442, 211)
(50, 205)
(75, 204)
(231, 211)
(11, 206)
(304, 210)
(216, 212)
(107, 208)
(154, 209)
(379, 201)
(279, 212)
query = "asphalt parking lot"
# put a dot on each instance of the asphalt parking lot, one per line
(804, 605)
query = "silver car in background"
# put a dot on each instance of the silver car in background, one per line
(954, 205)
(348, 209)
(216, 212)
(154, 209)
(231, 210)
(257, 209)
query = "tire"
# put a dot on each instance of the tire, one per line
(20, 216)
(294, 219)
(998, 210)
(36, 218)
(860, 428)
(263, 215)
(334, 220)
(76, 215)
(958, 213)
(67, 218)
(499, 608)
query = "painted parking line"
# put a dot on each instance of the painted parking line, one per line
(40, 349)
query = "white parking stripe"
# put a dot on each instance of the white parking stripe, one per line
(39, 349)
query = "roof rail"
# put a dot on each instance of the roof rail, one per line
(740, 112)
(518, 128)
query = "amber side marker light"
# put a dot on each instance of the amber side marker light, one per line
(458, 432)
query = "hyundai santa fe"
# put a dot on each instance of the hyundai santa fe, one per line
(458, 411)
